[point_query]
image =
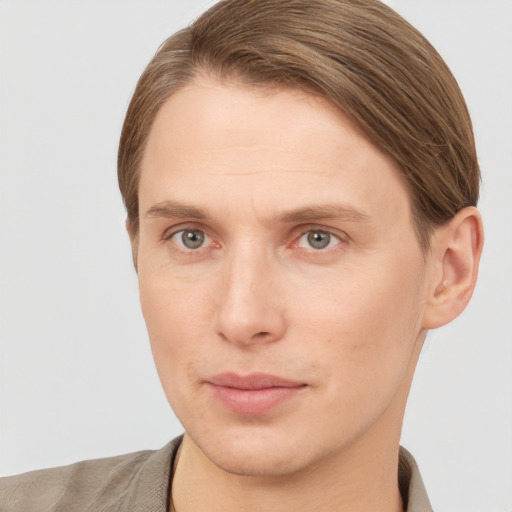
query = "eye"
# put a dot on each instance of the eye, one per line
(190, 238)
(318, 239)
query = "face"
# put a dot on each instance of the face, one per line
(280, 277)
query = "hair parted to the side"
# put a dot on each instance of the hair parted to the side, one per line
(358, 54)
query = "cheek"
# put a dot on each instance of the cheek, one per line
(178, 319)
(176, 332)
(364, 325)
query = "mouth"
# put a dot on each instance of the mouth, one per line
(253, 394)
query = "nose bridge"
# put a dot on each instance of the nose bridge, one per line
(248, 308)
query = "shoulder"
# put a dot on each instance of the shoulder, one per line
(114, 483)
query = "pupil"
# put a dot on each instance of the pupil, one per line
(318, 239)
(192, 239)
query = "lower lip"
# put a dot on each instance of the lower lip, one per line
(253, 401)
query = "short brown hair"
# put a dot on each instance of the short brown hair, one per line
(358, 54)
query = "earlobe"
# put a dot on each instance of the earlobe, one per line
(133, 233)
(455, 256)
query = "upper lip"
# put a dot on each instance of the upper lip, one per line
(252, 381)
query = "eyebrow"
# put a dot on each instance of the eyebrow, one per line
(173, 209)
(329, 211)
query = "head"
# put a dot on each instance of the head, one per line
(300, 180)
(360, 56)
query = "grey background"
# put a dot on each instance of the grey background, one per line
(76, 374)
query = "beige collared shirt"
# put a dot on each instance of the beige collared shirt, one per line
(137, 482)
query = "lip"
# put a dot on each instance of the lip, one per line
(253, 394)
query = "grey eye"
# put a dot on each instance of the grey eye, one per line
(318, 239)
(190, 238)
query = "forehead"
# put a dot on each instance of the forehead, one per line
(270, 148)
(214, 113)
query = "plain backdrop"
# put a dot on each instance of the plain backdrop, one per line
(77, 377)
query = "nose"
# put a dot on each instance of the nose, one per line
(249, 310)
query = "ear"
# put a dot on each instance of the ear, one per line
(133, 233)
(453, 262)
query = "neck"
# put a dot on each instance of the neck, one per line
(352, 485)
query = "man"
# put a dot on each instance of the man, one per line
(301, 181)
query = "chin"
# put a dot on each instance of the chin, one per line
(260, 464)
(255, 452)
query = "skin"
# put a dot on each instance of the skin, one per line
(258, 174)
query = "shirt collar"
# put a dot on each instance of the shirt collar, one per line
(411, 484)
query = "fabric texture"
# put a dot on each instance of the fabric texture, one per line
(137, 482)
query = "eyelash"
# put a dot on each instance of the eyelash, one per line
(322, 231)
(341, 238)
(170, 234)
